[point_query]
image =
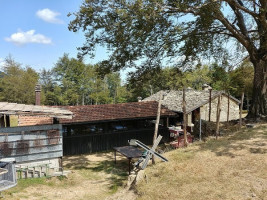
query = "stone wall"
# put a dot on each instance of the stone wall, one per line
(233, 114)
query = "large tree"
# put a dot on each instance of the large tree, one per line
(158, 31)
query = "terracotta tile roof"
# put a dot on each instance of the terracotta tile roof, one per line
(105, 112)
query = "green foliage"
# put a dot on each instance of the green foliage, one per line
(148, 82)
(197, 77)
(148, 34)
(242, 80)
(220, 77)
(156, 31)
(18, 83)
(145, 83)
(71, 82)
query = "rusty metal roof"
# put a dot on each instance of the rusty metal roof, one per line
(109, 112)
(33, 110)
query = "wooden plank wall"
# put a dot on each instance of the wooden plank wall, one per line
(31, 143)
(74, 145)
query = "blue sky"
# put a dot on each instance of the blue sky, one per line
(35, 32)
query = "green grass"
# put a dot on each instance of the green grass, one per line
(25, 183)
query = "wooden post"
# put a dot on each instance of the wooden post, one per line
(210, 104)
(157, 124)
(60, 163)
(200, 125)
(247, 102)
(5, 124)
(185, 119)
(228, 108)
(2, 121)
(240, 112)
(218, 116)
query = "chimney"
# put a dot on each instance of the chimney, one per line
(139, 99)
(38, 95)
(206, 87)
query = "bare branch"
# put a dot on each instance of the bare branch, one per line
(240, 19)
(241, 7)
(230, 27)
(192, 10)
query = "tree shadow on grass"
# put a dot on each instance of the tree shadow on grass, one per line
(116, 174)
(227, 146)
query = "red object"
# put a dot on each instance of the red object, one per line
(175, 133)
(180, 141)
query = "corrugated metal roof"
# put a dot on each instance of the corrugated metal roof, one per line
(23, 109)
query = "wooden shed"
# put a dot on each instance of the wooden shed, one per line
(97, 128)
(32, 146)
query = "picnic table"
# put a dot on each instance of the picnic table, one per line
(129, 152)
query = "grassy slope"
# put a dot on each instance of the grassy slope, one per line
(234, 167)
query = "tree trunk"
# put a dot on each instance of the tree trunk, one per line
(259, 97)
(157, 124)
(184, 119)
(241, 110)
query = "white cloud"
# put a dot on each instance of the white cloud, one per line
(21, 38)
(49, 16)
(2, 63)
(1, 60)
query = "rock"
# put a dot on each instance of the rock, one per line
(250, 125)
(140, 176)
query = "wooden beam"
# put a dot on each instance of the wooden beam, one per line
(240, 112)
(184, 118)
(157, 124)
(218, 116)
(228, 107)
(210, 104)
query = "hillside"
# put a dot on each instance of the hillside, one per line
(234, 167)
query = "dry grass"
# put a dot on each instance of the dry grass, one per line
(93, 176)
(233, 167)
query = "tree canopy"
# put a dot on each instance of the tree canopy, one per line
(154, 32)
(17, 83)
(71, 82)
